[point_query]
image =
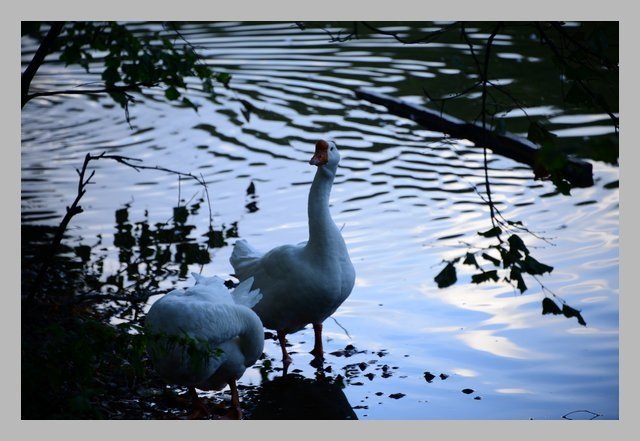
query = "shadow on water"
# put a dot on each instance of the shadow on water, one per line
(295, 397)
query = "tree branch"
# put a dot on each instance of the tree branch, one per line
(426, 39)
(602, 59)
(57, 239)
(485, 81)
(585, 87)
(113, 89)
(38, 58)
(75, 208)
(338, 38)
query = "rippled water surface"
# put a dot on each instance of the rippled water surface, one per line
(404, 197)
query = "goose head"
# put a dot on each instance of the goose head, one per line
(326, 155)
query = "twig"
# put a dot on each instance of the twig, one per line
(339, 39)
(507, 224)
(172, 26)
(113, 89)
(342, 327)
(602, 59)
(463, 30)
(484, 100)
(587, 89)
(125, 160)
(426, 39)
(453, 95)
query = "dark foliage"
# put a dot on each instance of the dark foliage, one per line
(75, 362)
(128, 61)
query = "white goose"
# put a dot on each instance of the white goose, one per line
(205, 337)
(302, 283)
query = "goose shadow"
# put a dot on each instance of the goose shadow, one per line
(294, 397)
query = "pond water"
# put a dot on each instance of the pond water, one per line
(404, 198)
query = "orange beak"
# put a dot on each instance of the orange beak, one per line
(321, 156)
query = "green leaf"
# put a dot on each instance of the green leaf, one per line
(216, 239)
(516, 243)
(171, 93)
(516, 276)
(540, 134)
(224, 78)
(71, 54)
(188, 102)
(550, 307)
(83, 252)
(485, 276)
(571, 312)
(207, 85)
(447, 276)
(111, 76)
(493, 232)
(509, 257)
(532, 266)
(180, 215)
(470, 259)
(491, 259)
(29, 28)
(246, 110)
(577, 95)
(562, 185)
(122, 216)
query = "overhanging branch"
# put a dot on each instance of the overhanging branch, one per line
(38, 58)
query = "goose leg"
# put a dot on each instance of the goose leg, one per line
(235, 411)
(317, 350)
(199, 408)
(286, 359)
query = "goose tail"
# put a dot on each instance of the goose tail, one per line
(244, 295)
(243, 259)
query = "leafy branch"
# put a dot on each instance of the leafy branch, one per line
(130, 60)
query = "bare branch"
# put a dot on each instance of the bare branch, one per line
(428, 38)
(484, 102)
(602, 59)
(582, 84)
(114, 89)
(338, 38)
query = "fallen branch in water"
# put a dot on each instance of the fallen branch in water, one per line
(579, 173)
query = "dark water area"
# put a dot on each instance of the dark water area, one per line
(405, 198)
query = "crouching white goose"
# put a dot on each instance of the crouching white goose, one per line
(303, 283)
(205, 337)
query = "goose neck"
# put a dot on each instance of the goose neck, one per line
(321, 225)
(252, 334)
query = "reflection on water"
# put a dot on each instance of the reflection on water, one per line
(404, 197)
(294, 397)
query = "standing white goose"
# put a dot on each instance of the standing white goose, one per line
(205, 337)
(302, 283)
